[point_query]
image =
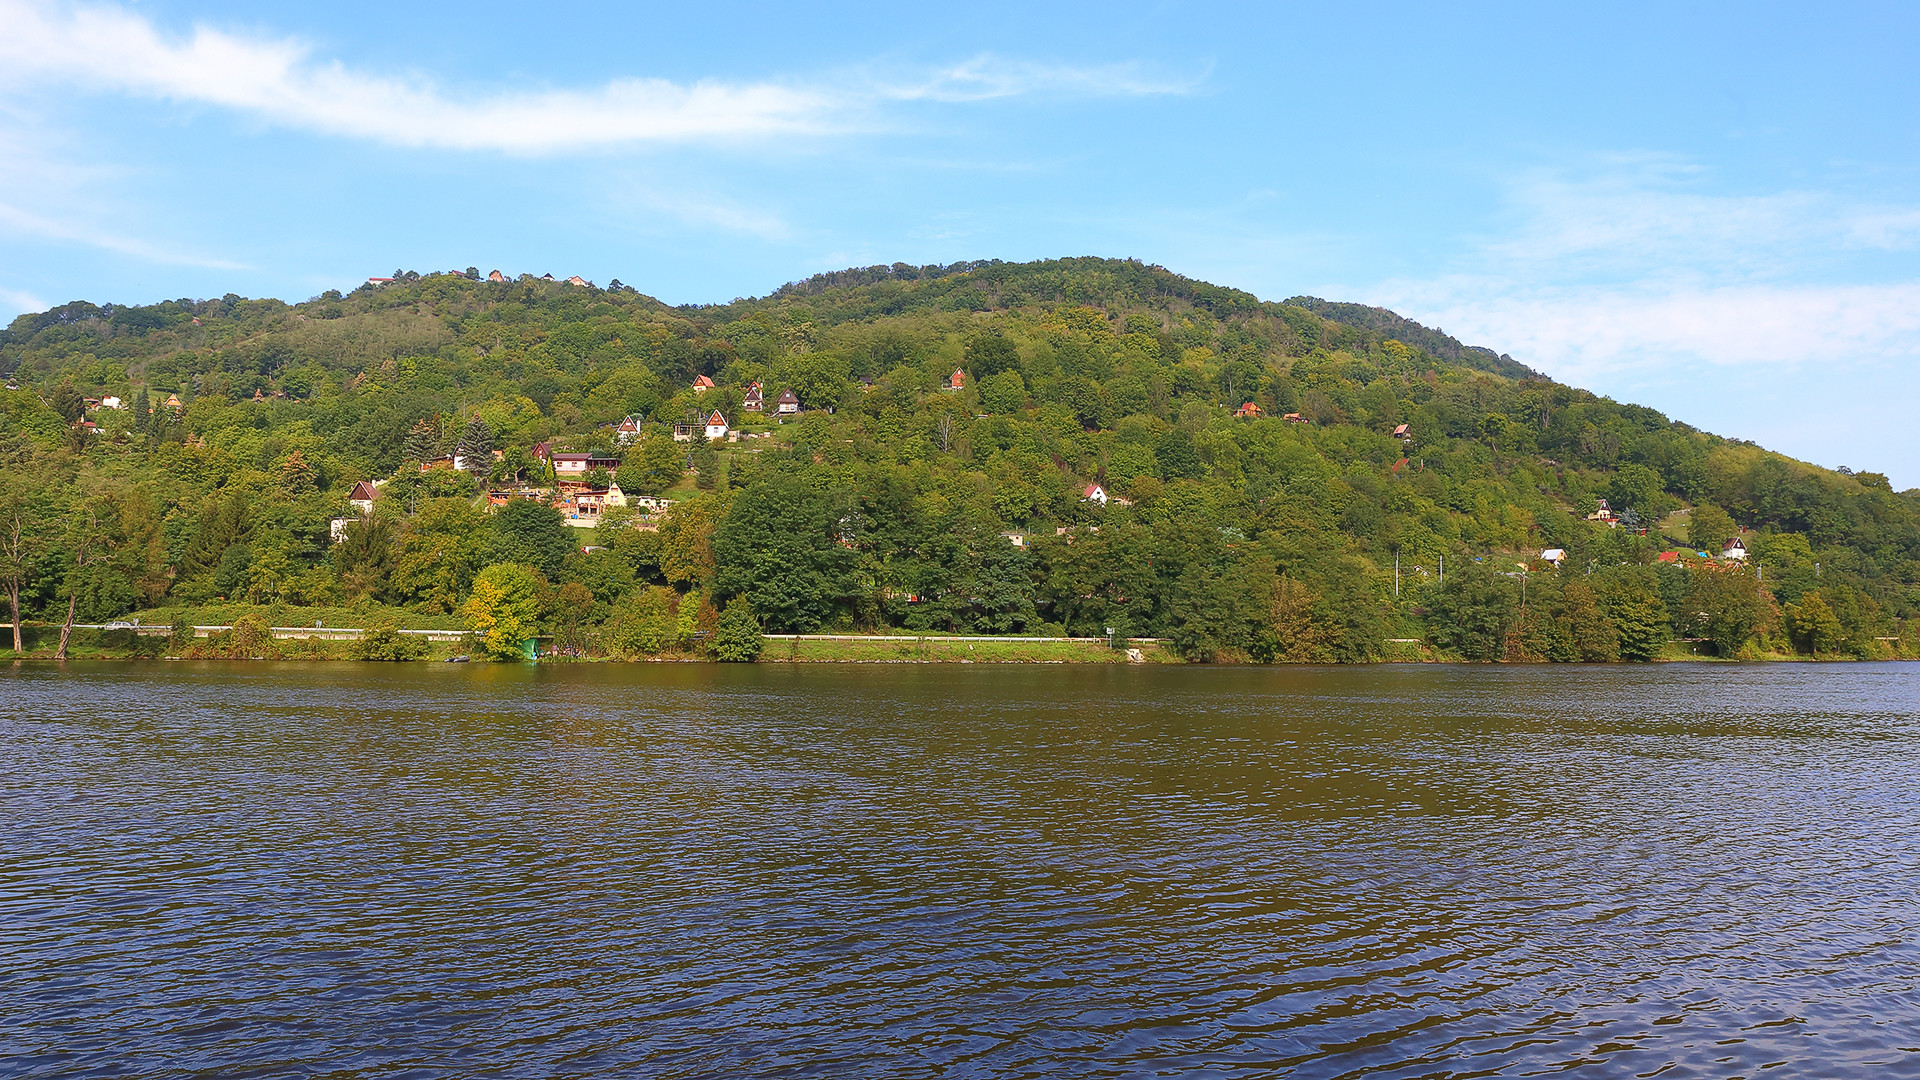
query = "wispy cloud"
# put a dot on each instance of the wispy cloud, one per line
(13, 301)
(21, 221)
(1591, 332)
(1634, 265)
(281, 81)
(987, 76)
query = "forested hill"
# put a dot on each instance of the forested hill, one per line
(893, 499)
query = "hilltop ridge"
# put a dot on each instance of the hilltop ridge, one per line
(1304, 443)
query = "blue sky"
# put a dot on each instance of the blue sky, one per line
(1713, 210)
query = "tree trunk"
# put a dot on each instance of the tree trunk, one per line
(67, 630)
(13, 598)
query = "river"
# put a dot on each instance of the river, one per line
(230, 870)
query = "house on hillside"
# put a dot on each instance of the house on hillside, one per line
(1248, 411)
(362, 496)
(716, 426)
(173, 401)
(497, 277)
(1604, 513)
(1556, 556)
(787, 404)
(1294, 418)
(578, 281)
(1094, 493)
(702, 384)
(1735, 548)
(576, 465)
(111, 402)
(754, 399)
(627, 431)
(956, 381)
(1402, 433)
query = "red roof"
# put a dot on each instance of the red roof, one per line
(716, 418)
(959, 379)
(1401, 430)
(702, 381)
(1249, 409)
(1087, 492)
(362, 492)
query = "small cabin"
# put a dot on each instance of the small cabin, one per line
(754, 400)
(957, 380)
(702, 384)
(787, 404)
(1294, 418)
(1402, 432)
(716, 426)
(362, 496)
(1094, 493)
(627, 431)
(1735, 548)
(1556, 556)
(1248, 411)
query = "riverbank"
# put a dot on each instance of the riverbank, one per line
(341, 643)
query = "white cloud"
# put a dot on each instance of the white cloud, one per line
(22, 221)
(112, 49)
(986, 77)
(13, 302)
(1589, 333)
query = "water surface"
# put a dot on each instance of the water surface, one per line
(688, 870)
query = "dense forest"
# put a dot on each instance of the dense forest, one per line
(1082, 447)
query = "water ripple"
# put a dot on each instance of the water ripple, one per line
(681, 871)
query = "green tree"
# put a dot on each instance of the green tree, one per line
(1472, 612)
(67, 401)
(1727, 607)
(652, 466)
(737, 639)
(1709, 528)
(1812, 625)
(476, 448)
(989, 353)
(504, 610)
(533, 532)
(646, 622)
(1591, 635)
(1640, 616)
(779, 546)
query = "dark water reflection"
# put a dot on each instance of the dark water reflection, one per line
(253, 869)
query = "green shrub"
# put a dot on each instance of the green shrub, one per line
(738, 638)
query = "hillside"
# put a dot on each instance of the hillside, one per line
(893, 501)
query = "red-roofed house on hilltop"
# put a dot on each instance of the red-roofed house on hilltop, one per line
(497, 277)
(1249, 411)
(956, 381)
(702, 384)
(1401, 432)
(1094, 493)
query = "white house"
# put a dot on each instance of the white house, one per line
(1556, 556)
(1094, 493)
(111, 402)
(716, 426)
(1735, 548)
(362, 496)
(788, 403)
(628, 430)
